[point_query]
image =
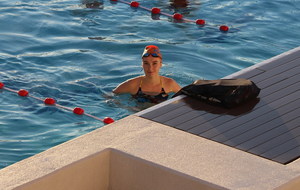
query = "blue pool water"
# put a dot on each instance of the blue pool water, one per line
(77, 55)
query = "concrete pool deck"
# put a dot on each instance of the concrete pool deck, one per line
(136, 153)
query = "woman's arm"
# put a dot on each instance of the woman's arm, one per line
(175, 86)
(171, 85)
(128, 86)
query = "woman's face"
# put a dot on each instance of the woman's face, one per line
(151, 65)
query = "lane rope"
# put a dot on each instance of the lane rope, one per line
(80, 111)
(176, 16)
(52, 102)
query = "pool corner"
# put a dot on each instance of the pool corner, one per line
(136, 153)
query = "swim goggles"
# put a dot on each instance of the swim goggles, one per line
(152, 54)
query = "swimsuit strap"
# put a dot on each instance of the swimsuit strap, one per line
(141, 97)
(141, 82)
(160, 84)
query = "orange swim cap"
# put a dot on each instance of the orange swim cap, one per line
(151, 50)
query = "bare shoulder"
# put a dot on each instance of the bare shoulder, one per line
(128, 86)
(132, 81)
(170, 85)
(167, 80)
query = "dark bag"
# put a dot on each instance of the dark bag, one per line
(226, 92)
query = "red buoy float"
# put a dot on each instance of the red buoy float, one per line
(155, 10)
(108, 120)
(224, 28)
(134, 4)
(78, 111)
(177, 16)
(49, 101)
(23, 92)
(200, 22)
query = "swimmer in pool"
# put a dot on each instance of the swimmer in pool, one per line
(179, 3)
(92, 4)
(151, 87)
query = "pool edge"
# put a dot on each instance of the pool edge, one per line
(220, 166)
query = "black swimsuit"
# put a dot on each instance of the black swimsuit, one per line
(142, 97)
